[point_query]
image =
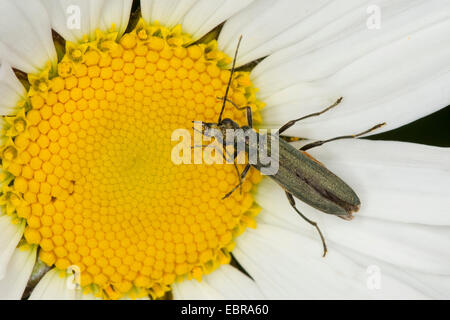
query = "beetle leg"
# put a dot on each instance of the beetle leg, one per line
(237, 171)
(215, 147)
(242, 177)
(314, 224)
(239, 177)
(224, 158)
(235, 165)
(201, 146)
(230, 79)
(292, 122)
(209, 146)
(249, 110)
(321, 142)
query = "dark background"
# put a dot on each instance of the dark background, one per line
(432, 130)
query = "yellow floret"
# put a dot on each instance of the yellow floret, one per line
(92, 170)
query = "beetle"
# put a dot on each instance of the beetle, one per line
(299, 174)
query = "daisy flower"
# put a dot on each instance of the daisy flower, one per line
(93, 207)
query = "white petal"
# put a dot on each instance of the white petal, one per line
(397, 181)
(404, 190)
(25, 35)
(286, 265)
(440, 284)
(11, 90)
(17, 274)
(267, 26)
(192, 289)
(54, 287)
(207, 14)
(167, 12)
(116, 12)
(433, 286)
(401, 182)
(225, 283)
(73, 19)
(10, 235)
(197, 17)
(396, 74)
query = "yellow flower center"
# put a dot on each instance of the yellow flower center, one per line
(89, 162)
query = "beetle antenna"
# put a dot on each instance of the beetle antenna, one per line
(229, 80)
